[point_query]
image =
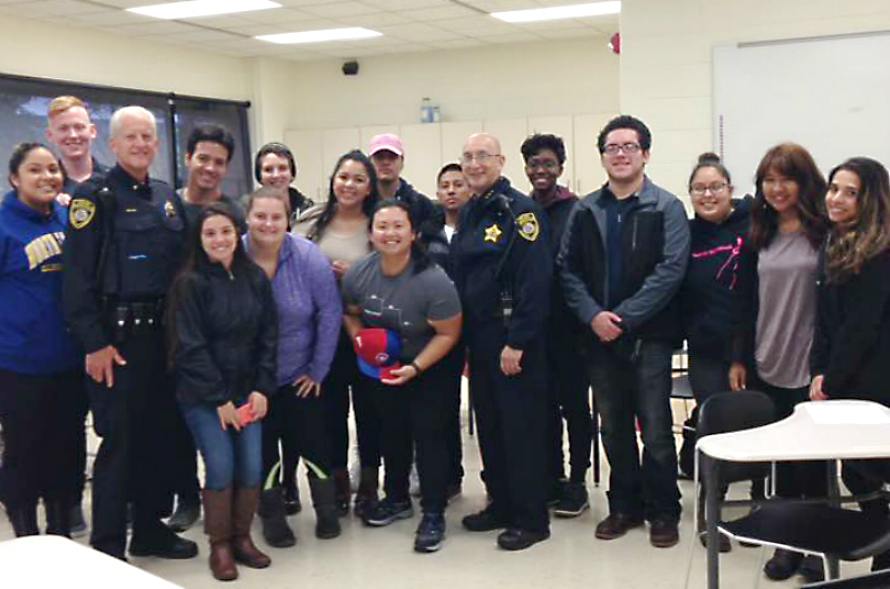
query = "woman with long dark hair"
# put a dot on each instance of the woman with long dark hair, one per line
(775, 310)
(223, 329)
(397, 293)
(42, 399)
(340, 228)
(310, 316)
(852, 342)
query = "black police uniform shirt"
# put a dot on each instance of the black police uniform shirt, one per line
(142, 256)
(503, 225)
(70, 186)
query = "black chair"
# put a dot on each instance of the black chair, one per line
(728, 412)
(820, 529)
(876, 580)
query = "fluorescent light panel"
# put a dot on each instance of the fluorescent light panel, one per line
(559, 12)
(320, 36)
(196, 8)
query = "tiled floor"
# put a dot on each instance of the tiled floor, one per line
(363, 558)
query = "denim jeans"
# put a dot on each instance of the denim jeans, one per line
(231, 458)
(626, 391)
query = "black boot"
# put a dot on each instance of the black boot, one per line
(327, 525)
(187, 512)
(271, 511)
(342, 491)
(366, 496)
(24, 520)
(58, 517)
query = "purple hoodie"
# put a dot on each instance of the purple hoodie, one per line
(309, 310)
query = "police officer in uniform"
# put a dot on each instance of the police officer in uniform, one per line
(503, 272)
(123, 244)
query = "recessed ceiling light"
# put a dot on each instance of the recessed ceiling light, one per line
(196, 8)
(558, 12)
(319, 36)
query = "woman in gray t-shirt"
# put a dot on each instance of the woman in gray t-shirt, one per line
(776, 309)
(397, 288)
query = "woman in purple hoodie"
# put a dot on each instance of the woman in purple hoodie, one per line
(310, 314)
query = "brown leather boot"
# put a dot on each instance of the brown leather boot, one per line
(243, 547)
(218, 525)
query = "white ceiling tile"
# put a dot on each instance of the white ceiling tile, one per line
(61, 7)
(256, 30)
(439, 13)
(399, 5)
(275, 15)
(376, 20)
(166, 27)
(342, 9)
(204, 36)
(419, 32)
(481, 23)
(457, 43)
(524, 37)
(224, 21)
(110, 18)
(506, 5)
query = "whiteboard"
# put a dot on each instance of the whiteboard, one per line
(830, 94)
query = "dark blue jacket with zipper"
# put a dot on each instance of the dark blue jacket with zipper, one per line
(655, 252)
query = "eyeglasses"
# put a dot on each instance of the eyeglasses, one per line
(614, 148)
(700, 189)
(480, 157)
(549, 165)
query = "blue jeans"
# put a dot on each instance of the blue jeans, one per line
(626, 391)
(231, 458)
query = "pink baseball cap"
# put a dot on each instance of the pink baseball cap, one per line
(388, 142)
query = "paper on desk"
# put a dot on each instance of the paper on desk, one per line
(829, 413)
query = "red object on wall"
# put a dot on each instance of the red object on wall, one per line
(615, 43)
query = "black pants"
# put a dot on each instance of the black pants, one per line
(416, 416)
(42, 420)
(626, 392)
(569, 401)
(344, 377)
(135, 419)
(793, 479)
(298, 423)
(511, 414)
(452, 374)
(185, 466)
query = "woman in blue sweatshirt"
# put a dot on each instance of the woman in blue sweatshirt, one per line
(41, 394)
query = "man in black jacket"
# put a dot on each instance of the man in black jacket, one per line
(622, 260)
(123, 244)
(388, 154)
(502, 267)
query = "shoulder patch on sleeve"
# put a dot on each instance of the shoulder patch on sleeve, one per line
(529, 228)
(81, 213)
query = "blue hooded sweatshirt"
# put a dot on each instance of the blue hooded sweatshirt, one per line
(33, 337)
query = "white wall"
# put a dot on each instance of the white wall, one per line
(496, 81)
(32, 48)
(666, 63)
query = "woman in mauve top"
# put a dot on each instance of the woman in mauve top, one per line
(775, 311)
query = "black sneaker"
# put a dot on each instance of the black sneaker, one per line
(574, 501)
(556, 493)
(388, 511)
(484, 521)
(430, 533)
(185, 515)
(811, 569)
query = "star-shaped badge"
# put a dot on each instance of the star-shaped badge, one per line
(493, 233)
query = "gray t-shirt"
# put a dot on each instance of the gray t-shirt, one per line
(785, 321)
(403, 303)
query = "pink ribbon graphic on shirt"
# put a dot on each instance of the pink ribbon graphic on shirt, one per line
(735, 252)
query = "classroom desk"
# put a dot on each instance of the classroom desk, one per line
(824, 430)
(54, 562)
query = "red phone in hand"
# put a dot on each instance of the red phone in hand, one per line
(245, 414)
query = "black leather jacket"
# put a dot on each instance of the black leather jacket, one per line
(227, 334)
